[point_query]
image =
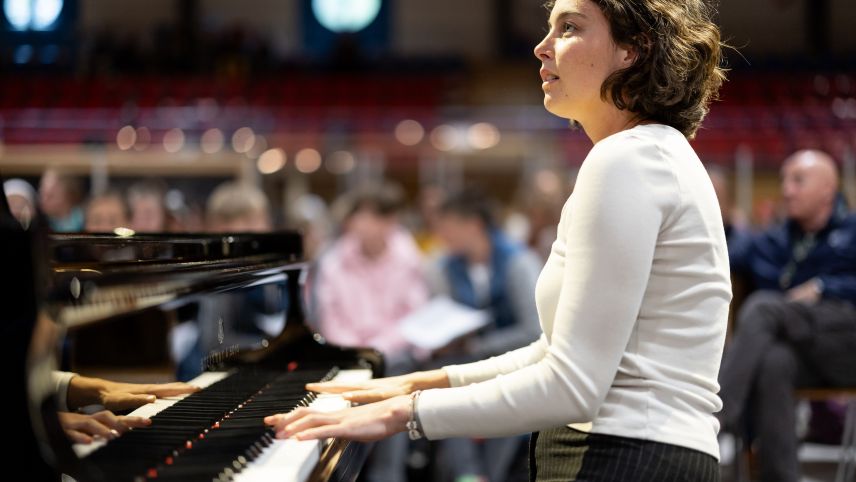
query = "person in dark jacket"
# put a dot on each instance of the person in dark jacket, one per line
(799, 327)
(487, 270)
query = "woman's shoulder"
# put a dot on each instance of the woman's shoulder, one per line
(632, 163)
(640, 152)
(642, 141)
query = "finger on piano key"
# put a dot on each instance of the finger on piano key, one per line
(325, 402)
(149, 410)
(297, 458)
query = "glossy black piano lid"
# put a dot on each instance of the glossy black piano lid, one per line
(89, 267)
(171, 248)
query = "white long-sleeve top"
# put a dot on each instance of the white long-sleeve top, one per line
(633, 303)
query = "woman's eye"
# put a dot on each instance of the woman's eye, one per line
(568, 28)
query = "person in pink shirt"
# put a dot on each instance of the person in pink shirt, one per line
(371, 277)
(367, 282)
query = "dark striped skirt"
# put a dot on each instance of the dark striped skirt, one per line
(566, 455)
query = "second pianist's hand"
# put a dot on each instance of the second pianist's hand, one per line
(118, 396)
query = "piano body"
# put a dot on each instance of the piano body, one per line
(214, 434)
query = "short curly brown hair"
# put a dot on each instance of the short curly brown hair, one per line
(678, 69)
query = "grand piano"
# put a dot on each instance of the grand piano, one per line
(56, 284)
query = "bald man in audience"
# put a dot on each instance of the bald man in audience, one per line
(799, 328)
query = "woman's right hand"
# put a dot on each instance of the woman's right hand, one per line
(84, 429)
(379, 389)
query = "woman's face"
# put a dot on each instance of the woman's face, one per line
(577, 55)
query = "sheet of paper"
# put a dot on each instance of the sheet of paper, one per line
(440, 322)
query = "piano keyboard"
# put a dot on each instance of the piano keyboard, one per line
(219, 433)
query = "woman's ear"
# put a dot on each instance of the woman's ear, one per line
(630, 52)
(626, 55)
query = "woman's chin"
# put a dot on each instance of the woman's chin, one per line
(549, 103)
(555, 108)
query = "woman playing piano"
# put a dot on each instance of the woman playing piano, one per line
(634, 297)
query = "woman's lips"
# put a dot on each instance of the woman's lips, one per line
(548, 77)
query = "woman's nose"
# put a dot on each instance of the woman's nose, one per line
(543, 51)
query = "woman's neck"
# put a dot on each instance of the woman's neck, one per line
(610, 121)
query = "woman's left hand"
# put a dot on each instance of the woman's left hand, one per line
(363, 423)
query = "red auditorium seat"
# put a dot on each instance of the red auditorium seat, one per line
(770, 113)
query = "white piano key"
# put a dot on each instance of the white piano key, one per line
(293, 460)
(283, 460)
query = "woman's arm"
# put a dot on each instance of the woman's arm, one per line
(461, 375)
(622, 198)
(449, 376)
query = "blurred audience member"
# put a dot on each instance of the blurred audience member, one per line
(309, 214)
(799, 329)
(148, 210)
(372, 276)
(59, 197)
(485, 269)
(538, 207)
(106, 212)
(21, 197)
(767, 211)
(238, 207)
(183, 216)
(368, 281)
(737, 233)
(430, 198)
(737, 236)
(242, 318)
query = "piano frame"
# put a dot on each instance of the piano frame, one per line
(98, 277)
